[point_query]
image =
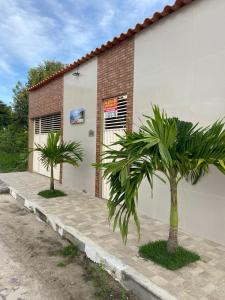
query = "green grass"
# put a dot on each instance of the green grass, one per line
(61, 264)
(50, 194)
(69, 251)
(11, 162)
(105, 287)
(157, 252)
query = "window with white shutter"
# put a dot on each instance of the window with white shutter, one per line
(37, 125)
(47, 123)
(117, 120)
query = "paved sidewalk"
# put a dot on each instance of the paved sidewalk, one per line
(87, 216)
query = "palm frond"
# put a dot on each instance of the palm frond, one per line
(55, 151)
(162, 145)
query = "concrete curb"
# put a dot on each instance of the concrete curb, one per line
(128, 277)
(3, 188)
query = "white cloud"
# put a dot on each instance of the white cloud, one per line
(32, 31)
(29, 34)
(5, 67)
(24, 33)
(117, 16)
(108, 16)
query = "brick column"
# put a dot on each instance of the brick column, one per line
(115, 72)
(45, 100)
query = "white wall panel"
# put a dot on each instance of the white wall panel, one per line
(179, 64)
(81, 92)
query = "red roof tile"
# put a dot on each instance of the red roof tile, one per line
(116, 40)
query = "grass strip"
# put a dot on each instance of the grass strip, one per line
(51, 194)
(157, 252)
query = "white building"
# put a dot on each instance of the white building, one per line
(176, 59)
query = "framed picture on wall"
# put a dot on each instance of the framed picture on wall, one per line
(77, 116)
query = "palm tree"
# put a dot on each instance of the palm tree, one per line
(167, 148)
(56, 152)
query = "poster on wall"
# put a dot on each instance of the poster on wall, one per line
(77, 116)
(110, 108)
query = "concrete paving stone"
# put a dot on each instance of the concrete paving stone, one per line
(209, 288)
(177, 282)
(195, 271)
(159, 280)
(168, 275)
(87, 215)
(215, 297)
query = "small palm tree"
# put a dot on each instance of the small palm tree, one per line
(56, 152)
(164, 147)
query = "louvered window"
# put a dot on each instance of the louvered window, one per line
(119, 115)
(37, 125)
(47, 123)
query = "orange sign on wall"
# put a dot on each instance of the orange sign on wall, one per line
(110, 108)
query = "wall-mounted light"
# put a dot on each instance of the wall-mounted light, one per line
(76, 73)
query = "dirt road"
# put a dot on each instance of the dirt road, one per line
(30, 265)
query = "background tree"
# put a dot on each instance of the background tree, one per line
(164, 147)
(20, 94)
(13, 149)
(56, 152)
(5, 115)
(14, 121)
(20, 105)
(42, 71)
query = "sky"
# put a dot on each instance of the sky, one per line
(32, 31)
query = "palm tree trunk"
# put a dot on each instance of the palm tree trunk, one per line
(52, 186)
(172, 242)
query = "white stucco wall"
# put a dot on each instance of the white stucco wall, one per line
(179, 64)
(81, 92)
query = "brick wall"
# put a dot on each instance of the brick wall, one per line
(45, 100)
(115, 77)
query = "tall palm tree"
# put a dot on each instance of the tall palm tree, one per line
(56, 152)
(167, 148)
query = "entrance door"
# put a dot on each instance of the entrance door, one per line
(115, 119)
(42, 126)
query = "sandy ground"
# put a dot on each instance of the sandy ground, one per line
(29, 257)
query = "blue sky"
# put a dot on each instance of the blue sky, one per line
(32, 31)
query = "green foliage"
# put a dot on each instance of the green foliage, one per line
(5, 115)
(61, 264)
(105, 286)
(13, 140)
(13, 149)
(20, 105)
(43, 71)
(157, 252)
(101, 282)
(51, 194)
(167, 148)
(13, 162)
(69, 251)
(14, 121)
